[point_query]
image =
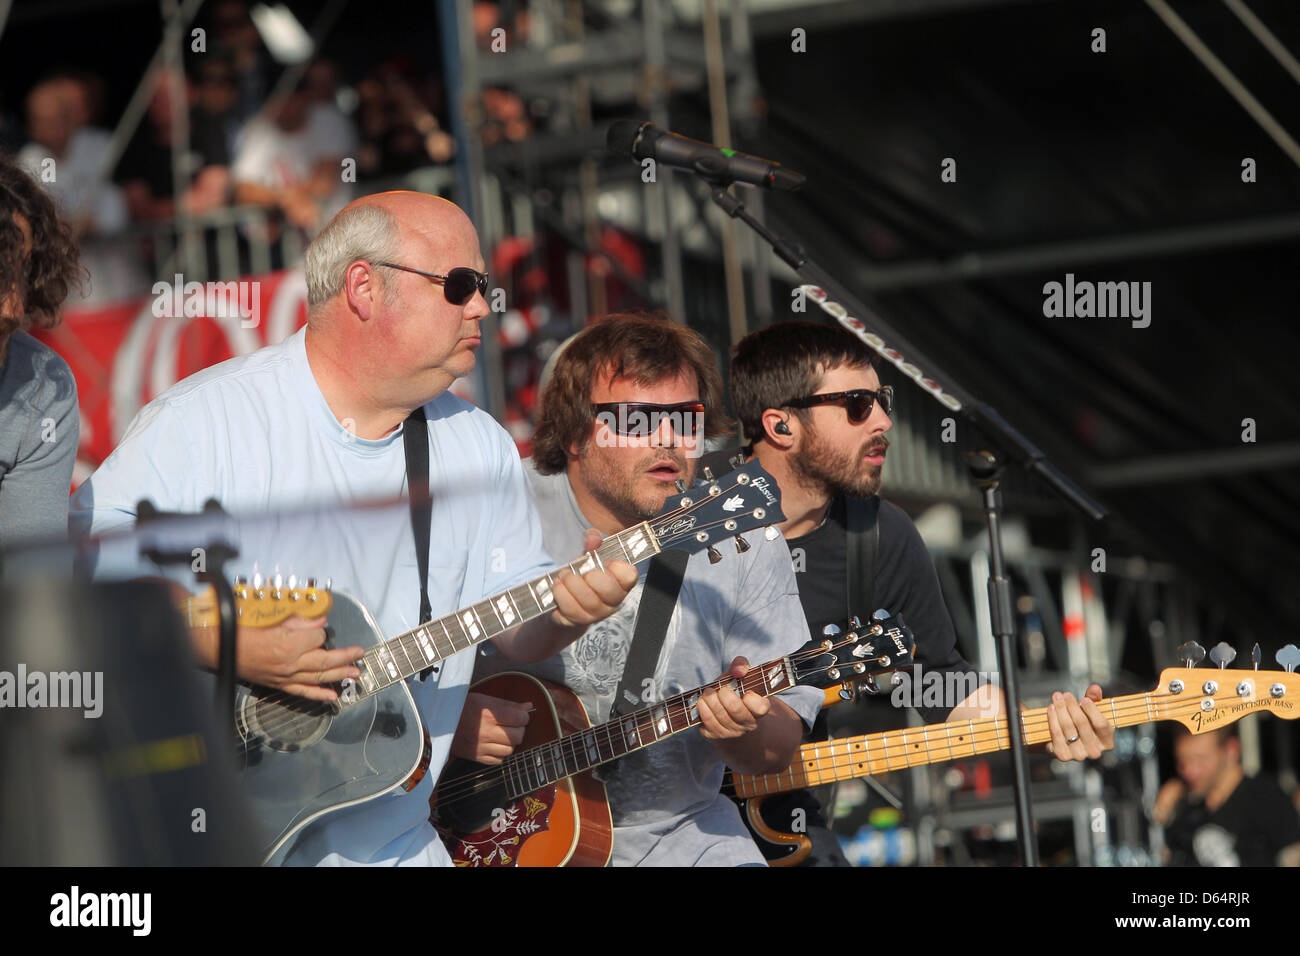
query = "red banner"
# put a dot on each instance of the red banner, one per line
(126, 354)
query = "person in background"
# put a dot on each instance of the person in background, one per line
(290, 158)
(67, 158)
(1214, 815)
(145, 172)
(38, 395)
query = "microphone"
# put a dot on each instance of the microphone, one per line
(647, 141)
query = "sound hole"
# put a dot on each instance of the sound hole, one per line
(284, 722)
(467, 796)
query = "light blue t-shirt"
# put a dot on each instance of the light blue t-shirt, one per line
(257, 434)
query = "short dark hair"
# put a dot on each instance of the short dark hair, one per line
(785, 361)
(1220, 734)
(42, 277)
(641, 346)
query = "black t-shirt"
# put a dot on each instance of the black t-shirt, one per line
(906, 585)
(1252, 825)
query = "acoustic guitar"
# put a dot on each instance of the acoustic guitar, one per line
(543, 806)
(302, 759)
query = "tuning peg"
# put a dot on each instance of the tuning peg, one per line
(855, 622)
(771, 532)
(293, 581)
(741, 545)
(241, 581)
(681, 484)
(1255, 655)
(735, 461)
(831, 630)
(1191, 653)
(257, 581)
(708, 474)
(1289, 657)
(714, 555)
(880, 614)
(1222, 654)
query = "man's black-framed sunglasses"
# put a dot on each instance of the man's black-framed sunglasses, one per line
(639, 419)
(858, 402)
(458, 285)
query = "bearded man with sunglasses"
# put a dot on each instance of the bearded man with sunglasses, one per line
(395, 298)
(624, 417)
(817, 418)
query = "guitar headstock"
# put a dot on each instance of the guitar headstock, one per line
(864, 650)
(263, 603)
(1203, 699)
(696, 518)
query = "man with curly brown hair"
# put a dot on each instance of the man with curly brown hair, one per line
(38, 395)
(623, 418)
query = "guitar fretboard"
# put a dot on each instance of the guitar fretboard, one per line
(540, 766)
(850, 757)
(407, 654)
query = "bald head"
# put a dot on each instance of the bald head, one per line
(374, 228)
(438, 220)
(382, 336)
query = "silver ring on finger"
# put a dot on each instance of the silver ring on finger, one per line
(1073, 739)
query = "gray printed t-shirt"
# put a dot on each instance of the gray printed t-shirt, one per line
(664, 798)
(38, 441)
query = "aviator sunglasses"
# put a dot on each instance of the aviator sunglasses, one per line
(638, 419)
(458, 285)
(858, 402)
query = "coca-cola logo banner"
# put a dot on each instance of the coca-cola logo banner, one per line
(125, 354)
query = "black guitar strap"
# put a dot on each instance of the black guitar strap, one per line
(863, 552)
(415, 438)
(663, 582)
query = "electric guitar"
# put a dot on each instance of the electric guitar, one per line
(1201, 699)
(543, 806)
(302, 759)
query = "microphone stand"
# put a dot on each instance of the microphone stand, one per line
(985, 468)
(216, 554)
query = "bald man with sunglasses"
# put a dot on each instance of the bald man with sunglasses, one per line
(395, 300)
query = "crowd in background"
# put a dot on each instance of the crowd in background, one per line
(239, 139)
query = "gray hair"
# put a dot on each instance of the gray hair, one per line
(362, 232)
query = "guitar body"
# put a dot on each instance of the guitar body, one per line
(778, 847)
(565, 824)
(302, 759)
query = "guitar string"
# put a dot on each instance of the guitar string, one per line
(290, 720)
(1035, 722)
(674, 515)
(454, 788)
(471, 783)
(275, 701)
(988, 730)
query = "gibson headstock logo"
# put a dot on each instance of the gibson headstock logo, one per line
(896, 636)
(764, 488)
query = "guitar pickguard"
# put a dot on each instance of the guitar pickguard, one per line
(499, 843)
